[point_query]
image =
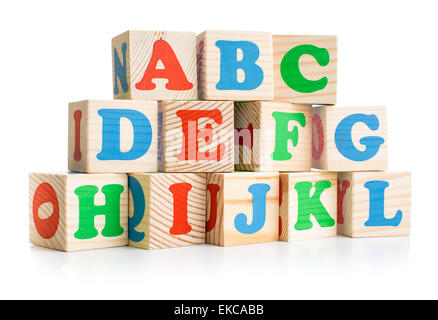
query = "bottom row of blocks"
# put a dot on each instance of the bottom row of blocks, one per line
(160, 210)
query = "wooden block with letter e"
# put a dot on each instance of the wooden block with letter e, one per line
(242, 208)
(107, 136)
(154, 65)
(166, 209)
(73, 211)
(349, 138)
(374, 203)
(305, 69)
(307, 205)
(272, 136)
(196, 136)
(234, 65)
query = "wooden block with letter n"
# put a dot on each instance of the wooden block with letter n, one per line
(349, 138)
(73, 211)
(242, 208)
(272, 136)
(305, 69)
(196, 136)
(112, 136)
(166, 209)
(234, 65)
(154, 65)
(374, 203)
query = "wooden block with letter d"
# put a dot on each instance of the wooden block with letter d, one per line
(349, 138)
(73, 211)
(166, 209)
(374, 203)
(305, 69)
(242, 208)
(234, 65)
(272, 136)
(107, 136)
(154, 65)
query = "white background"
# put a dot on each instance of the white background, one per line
(54, 52)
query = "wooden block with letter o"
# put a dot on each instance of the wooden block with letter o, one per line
(242, 208)
(374, 203)
(166, 209)
(73, 211)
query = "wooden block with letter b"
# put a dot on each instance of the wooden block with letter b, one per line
(305, 69)
(154, 65)
(73, 211)
(166, 209)
(374, 203)
(242, 208)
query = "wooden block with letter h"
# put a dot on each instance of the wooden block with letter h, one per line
(166, 209)
(242, 208)
(273, 136)
(154, 65)
(70, 211)
(374, 203)
(307, 205)
(113, 136)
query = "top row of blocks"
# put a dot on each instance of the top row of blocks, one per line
(224, 65)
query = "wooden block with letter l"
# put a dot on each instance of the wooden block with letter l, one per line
(272, 136)
(374, 203)
(242, 208)
(349, 138)
(234, 65)
(113, 136)
(154, 65)
(305, 69)
(166, 209)
(196, 136)
(74, 211)
(307, 205)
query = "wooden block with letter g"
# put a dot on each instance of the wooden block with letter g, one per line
(154, 65)
(74, 211)
(374, 203)
(166, 209)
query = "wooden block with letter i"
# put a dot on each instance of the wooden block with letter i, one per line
(73, 211)
(166, 209)
(242, 208)
(154, 65)
(374, 203)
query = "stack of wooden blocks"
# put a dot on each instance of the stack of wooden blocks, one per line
(155, 168)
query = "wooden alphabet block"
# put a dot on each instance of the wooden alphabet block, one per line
(196, 136)
(70, 211)
(234, 65)
(307, 205)
(349, 138)
(305, 69)
(166, 209)
(154, 65)
(272, 136)
(374, 204)
(113, 136)
(242, 208)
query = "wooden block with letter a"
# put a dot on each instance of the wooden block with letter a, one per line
(166, 209)
(234, 65)
(307, 205)
(107, 136)
(73, 211)
(349, 138)
(242, 208)
(272, 136)
(374, 203)
(196, 136)
(154, 65)
(305, 69)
